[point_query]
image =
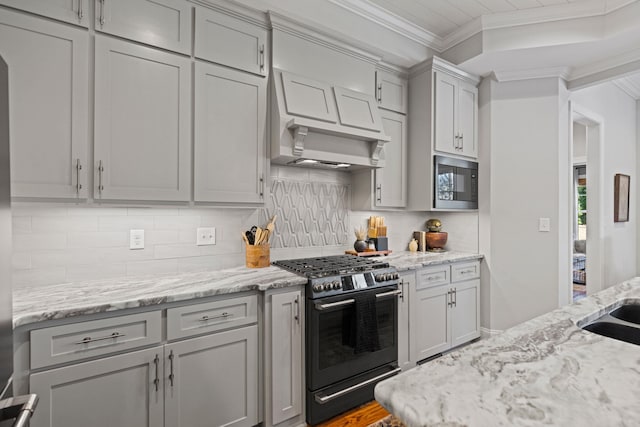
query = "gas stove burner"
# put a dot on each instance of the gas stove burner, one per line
(337, 265)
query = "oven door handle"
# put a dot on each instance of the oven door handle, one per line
(389, 294)
(335, 304)
(322, 398)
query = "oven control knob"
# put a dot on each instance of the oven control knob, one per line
(337, 284)
(396, 276)
(388, 276)
(318, 287)
(379, 277)
(327, 286)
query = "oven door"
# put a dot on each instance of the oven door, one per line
(332, 352)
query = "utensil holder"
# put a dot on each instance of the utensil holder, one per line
(258, 256)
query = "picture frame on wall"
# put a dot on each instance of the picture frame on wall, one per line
(621, 185)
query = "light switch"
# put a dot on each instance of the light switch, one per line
(544, 224)
(136, 239)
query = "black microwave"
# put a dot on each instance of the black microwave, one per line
(455, 183)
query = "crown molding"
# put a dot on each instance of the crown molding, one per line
(312, 34)
(535, 73)
(392, 69)
(391, 21)
(438, 64)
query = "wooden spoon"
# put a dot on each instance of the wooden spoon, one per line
(270, 227)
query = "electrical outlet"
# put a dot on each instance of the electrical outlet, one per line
(206, 236)
(136, 239)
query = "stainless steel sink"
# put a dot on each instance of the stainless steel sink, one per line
(622, 324)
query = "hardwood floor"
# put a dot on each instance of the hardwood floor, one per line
(359, 417)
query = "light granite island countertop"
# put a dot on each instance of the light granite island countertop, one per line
(546, 371)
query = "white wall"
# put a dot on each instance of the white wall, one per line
(579, 143)
(520, 149)
(618, 110)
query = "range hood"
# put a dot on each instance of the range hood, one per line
(316, 124)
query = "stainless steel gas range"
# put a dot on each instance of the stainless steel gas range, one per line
(351, 330)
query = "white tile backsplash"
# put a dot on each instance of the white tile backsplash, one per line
(55, 243)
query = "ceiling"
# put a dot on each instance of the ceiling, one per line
(583, 41)
(442, 17)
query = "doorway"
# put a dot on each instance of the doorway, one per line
(587, 270)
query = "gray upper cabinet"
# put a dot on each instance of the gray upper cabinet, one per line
(357, 109)
(71, 11)
(230, 135)
(48, 75)
(124, 384)
(391, 181)
(385, 188)
(391, 92)
(456, 106)
(213, 380)
(142, 123)
(161, 23)
(230, 41)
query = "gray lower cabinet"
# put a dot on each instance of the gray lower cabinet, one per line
(284, 379)
(444, 308)
(207, 377)
(213, 380)
(115, 391)
(230, 135)
(407, 281)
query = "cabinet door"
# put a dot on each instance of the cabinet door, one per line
(407, 281)
(465, 319)
(391, 92)
(142, 123)
(161, 23)
(213, 380)
(230, 135)
(72, 11)
(445, 102)
(230, 41)
(429, 313)
(468, 119)
(286, 356)
(391, 181)
(48, 96)
(116, 391)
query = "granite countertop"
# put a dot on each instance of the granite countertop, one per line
(546, 371)
(37, 304)
(404, 261)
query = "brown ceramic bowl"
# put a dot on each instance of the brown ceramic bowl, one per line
(436, 239)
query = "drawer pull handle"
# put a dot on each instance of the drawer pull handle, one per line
(467, 271)
(87, 340)
(432, 278)
(224, 315)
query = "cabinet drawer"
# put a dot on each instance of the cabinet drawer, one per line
(66, 343)
(465, 271)
(433, 276)
(212, 316)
